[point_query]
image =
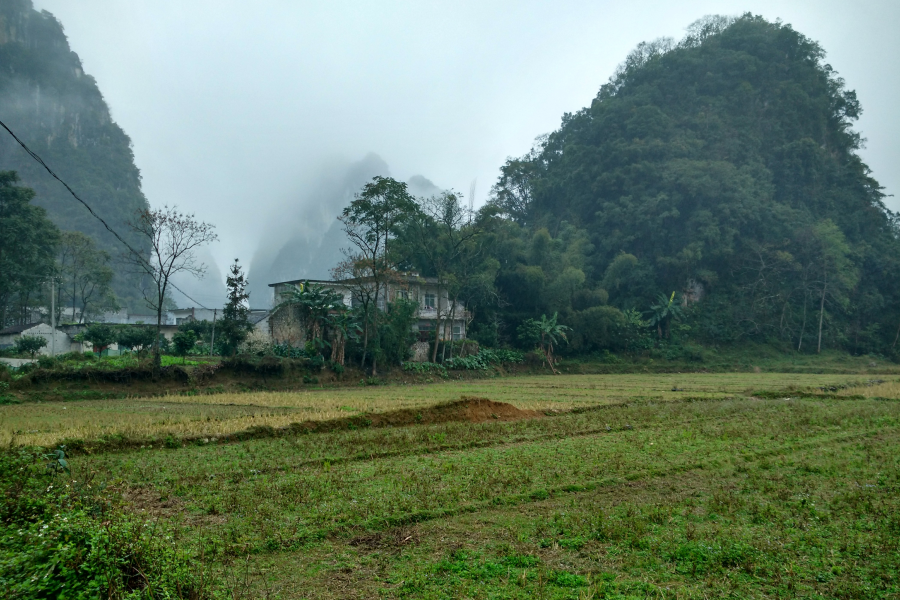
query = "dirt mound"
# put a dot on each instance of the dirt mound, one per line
(468, 408)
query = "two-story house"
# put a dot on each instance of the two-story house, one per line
(433, 302)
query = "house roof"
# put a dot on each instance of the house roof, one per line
(256, 318)
(18, 328)
(407, 278)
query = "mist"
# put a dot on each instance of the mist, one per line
(265, 121)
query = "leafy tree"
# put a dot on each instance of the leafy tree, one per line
(173, 238)
(86, 278)
(397, 334)
(830, 273)
(138, 339)
(27, 245)
(235, 325)
(30, 344)
(440, 236)
(371, 222)
(514, 191)
(598, 328)
(183, 342)
(99, 335)
(545, 334)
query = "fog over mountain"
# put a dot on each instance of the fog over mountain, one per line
(304, 238)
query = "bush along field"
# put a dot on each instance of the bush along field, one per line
(741, 487)
(67, 537)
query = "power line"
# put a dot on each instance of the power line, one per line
(91, 210)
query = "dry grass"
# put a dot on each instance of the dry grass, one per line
(49, 423)
(888, 389)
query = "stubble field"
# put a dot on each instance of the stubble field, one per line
(617, 486)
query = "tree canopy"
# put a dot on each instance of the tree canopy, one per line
(723, 167)
(58, 111)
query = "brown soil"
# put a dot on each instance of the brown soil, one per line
(148, 502)
(468, 408)
(392, 539)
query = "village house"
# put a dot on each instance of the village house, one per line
(411, 286)
(58, 341)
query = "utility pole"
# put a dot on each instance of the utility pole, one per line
(212, 342)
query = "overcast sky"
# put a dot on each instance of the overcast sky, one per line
(233, 106)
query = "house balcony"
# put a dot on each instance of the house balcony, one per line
(431, 313)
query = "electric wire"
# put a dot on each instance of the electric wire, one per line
(137, 254)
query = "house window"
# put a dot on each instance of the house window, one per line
(457, 332)
(430, 301)
(402, 295)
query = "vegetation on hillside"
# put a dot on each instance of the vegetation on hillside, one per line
(724, 168)
(59, 112)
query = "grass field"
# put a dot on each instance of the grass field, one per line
(50, 423)
(660, 486)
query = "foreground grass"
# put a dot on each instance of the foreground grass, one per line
(660, 497)
(213, 415)
(670, 486)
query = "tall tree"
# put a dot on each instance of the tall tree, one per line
(27, 245)
(440, 236)
(235, 324)
(371, 223)
(173, 238)
(85, 275)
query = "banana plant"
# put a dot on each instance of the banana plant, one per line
(546, 334)
(663, 313)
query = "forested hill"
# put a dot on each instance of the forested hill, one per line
(725, 168)
(57, 109)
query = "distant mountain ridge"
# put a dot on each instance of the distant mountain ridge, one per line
(58, 110)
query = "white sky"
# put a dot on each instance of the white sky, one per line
(233, 105)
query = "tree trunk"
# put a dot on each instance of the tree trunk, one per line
(896, 337)
(375, 329)
(822, 312)
(362, 362)
(803, 325)
(437, 329)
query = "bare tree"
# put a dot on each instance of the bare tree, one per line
(172, 237)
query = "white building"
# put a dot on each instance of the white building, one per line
(58, 342)
(432, 300)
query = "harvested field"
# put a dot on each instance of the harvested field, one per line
(217, 415)
(692, 486)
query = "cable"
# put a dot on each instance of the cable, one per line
(91, 210)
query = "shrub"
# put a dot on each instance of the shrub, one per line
(598, 328)
(184, 341)
(100, 335)
(485, 358)
(425, 368)
(136, 338)
(30, 344)
(59, 538)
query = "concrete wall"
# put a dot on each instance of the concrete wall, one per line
(57, 340)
